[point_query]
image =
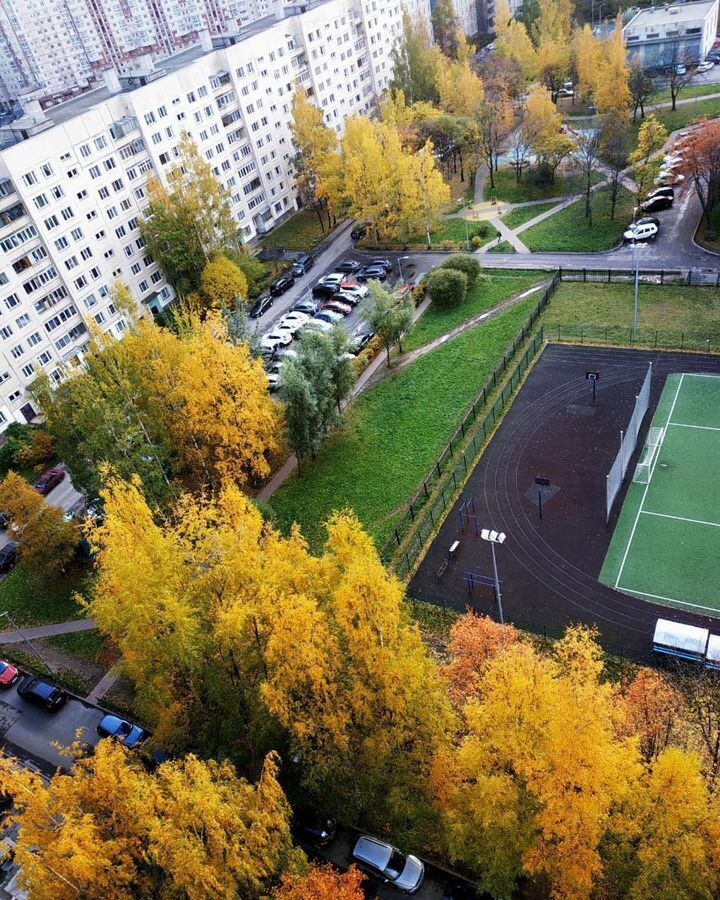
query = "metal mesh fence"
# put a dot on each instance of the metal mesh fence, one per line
(628, 442)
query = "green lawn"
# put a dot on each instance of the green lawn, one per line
(452, 230)
(692, 90)
(502, 247)
(676, 312)
(501, 285)
(394, 432)
(706, 237)
(90, 646)
(507, 189)
(32, 602)
(517, 217)
(570, 231)
(301, 232)
(684, 114)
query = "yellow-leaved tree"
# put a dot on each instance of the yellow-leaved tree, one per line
(612, 92)
(111, 829)
(587, 54)
(651, 139)
(542, 124)
(531, 786)
(223, 284)
(459, 87)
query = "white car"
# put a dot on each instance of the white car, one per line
(273, 380)
(274, 340)
(405, 873)
(640, 232)
(705, 67)
(359, 290)
(666, 179)
(347, 297)
(320, 324)
(293, 322)
(335, 279)
(672, 159)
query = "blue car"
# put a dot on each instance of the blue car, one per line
(128, 734)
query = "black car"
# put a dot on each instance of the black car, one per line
(654, 204)
(8, 556)
(313, 827)
(39, 692)
(283, 284)
(260, 306)
(378, 273)
(359, 231)
(325, 291)
(348, 267)
(4, 521)
(302, 265)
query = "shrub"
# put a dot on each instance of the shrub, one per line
(448, 245)
(715, 220)
(17, 438)
(483, 229)
(447, 287)
(39, 450)
(477, 242)
(467, 264)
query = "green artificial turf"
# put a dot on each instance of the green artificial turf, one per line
(499, 286)
(394, 432)
(569, 230)
(517, 217)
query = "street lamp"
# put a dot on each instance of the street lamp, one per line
(637, 279)
(400, 259)
(493, 537)
(27, 641)
(467, 233)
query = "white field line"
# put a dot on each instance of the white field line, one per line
(668, 599)
(646, 512)
(700, 375)
(647, 486)
(701, 427)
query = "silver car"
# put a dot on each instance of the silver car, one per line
(405, 873)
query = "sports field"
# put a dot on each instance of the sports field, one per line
(666, 545)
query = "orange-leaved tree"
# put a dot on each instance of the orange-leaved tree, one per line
(322, 883)
(474, 641)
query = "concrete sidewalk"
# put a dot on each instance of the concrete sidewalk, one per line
(45, 631)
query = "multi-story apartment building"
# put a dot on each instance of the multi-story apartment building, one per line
(73, 179)
(679, 33)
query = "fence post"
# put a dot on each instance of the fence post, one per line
(412, 512)
(397, 537)
(437, 466)
(425, 488)
(584, 274)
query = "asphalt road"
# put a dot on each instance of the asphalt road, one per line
(30, 732)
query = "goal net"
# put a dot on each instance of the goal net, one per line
(650, 452)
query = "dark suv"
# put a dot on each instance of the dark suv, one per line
(281, 285)
(260, 306)
(8, 556)
(39, 692)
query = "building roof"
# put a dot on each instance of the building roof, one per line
(677, 12)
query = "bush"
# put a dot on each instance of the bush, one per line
(483, 229)
(447, 287)
(715, 220)
(17, 438)
(39, 450)
(467, 264)
(448, 245)
(477, 242)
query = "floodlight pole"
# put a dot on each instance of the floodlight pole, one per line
(637, 280)
(497, 584)
(400, 259)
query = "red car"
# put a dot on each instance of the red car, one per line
(49, 480)
(8, 674)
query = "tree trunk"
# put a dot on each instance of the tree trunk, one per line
(387, 350)
(588, 214)
(318, 213)
(492, 176)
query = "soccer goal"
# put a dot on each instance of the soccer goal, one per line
(650, 452)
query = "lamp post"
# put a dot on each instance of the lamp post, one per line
(494, 537)
(467, 233)
(400, 259)
(27, 641)
(637, 279)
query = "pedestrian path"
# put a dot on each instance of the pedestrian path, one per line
(46, 631)
(104, 685)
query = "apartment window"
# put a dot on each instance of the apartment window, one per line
(149, 118)
(29, 178)
(128, 250)
(111, 212)
(46, 169)
(156, 138)
(12, 301)
(6, 332)
(136, 268)
(76, 234)
(101, 142)
(17, 351)
(14, 396)
(99, 235)
(117, 185)
(80, 282)
(86, 253)
(71, 263)
(40, 201)
(104, 193)
(109, 164)
(57, 192)
(144, 286)
(202, 91)
(81, 195)
(85, 150)
(28, 371)
(34, 339)
(67, 213)
(191, 98)
(72, 173)
(23, 321)
(94, 171)
(90, 301)
(162, 112)
(120, 231)
(126, 204)
(44, 357)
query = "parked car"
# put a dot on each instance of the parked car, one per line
(4, 521)
(8, 556)
(284, 283)
(348, 267)
(325, 291)
(567, 90)
(8, 674)
(260, 306)
(275, 340)
(353, 287)
(287, 353)
(359, 231)
(337, 306)
(655, 204)
(309, 307)
(387, 264)
(405, 873)
(125, 732)
(376, 272)
(360, 340)
(663, 192)
(713, 56)
(41, 693)
(292, 322)
(327, 315)
(643, 230)
(334, 279)
(347, 297)
(273, 381)
(667, 179)
(313, 827)
(319, 324)
(705, 67)
(50, 480)
(302, 265)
